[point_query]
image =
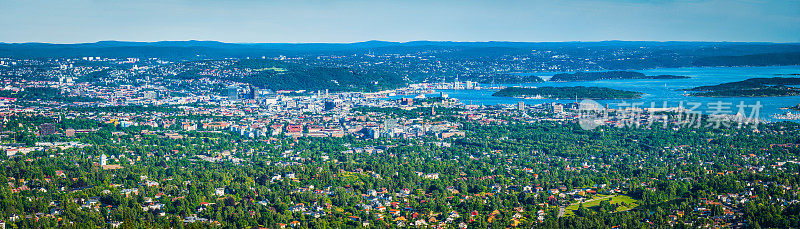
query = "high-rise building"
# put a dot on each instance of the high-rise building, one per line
(150, 95)
(558, 108)
(374, 133)
(331, 104)
(253, 93)
(233, 93)
(521, 106)
(47, 129)
(69, 132)
(390, 124)
(407, 101)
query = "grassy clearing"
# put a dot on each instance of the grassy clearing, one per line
(629, 202)
(594, 202)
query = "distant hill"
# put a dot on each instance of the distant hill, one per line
(704, 52)
(434, 61)
(612, 75)
(755, 87)
(278, 75)
(767, 59)
(578, 92)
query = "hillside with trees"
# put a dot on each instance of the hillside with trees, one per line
(612, 75)
(755, 87)
(578, 92)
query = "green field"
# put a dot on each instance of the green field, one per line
(592, 204)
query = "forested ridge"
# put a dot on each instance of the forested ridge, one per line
(577, 92)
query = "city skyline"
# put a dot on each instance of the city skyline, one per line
(408, 114)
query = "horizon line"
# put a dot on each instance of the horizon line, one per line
(401, 42)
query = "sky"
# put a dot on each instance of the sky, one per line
(340, 21)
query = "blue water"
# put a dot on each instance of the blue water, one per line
(659, 91)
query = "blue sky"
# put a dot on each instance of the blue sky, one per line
(76, 21)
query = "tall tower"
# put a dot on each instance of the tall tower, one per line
(233, 93)
(253, 92)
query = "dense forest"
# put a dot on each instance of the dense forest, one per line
(482, 177)
(767, 59)
(44, 94)
(755, 87)
(280, 75)
(612, 75)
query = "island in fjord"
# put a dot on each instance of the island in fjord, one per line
(612, 75)
(578, 92)
(755, 87)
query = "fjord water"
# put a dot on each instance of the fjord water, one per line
(660, 91)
